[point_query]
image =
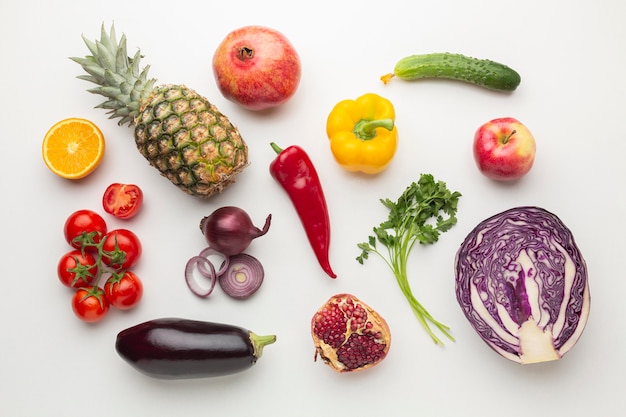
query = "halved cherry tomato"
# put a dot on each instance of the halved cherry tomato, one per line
(84, 227)
(90, 304)
(122, 200)
(124, 290)
(122, 249)
(76, 269)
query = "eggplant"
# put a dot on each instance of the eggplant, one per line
(174, 348)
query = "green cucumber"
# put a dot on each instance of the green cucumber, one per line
(481, 72)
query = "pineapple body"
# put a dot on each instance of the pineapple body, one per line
(189, 140)
(177, 130)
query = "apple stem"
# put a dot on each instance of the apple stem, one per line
(366, 129)
(506, 139)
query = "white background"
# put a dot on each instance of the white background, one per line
(571, 57)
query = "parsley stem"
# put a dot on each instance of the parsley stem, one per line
(423, 316)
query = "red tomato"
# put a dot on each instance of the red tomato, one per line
(123, 291)
(84, 226)
(122, 200)
(77, 270)
(122, 249)
(90, 304)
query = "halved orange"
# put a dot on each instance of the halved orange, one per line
(73, 148)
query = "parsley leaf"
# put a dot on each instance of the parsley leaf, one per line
(425, 209)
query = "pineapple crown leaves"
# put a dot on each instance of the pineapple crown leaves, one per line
(119, 77)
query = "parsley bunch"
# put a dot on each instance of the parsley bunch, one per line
(424, 211)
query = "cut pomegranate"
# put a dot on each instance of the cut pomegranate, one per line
(349, 335)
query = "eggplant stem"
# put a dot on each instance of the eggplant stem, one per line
(259, 342)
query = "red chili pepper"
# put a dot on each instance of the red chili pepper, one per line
(295, 172)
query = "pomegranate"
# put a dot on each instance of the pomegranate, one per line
(349, 335)
(256, 67)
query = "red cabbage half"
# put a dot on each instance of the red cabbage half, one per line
(522, 284)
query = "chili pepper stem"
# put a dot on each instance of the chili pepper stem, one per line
(366, 129)
(276, 148)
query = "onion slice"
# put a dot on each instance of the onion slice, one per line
(243, 276)
(200, 263)
(208, 253)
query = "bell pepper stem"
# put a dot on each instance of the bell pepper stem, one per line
(366, 129)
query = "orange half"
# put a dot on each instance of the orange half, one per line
(73, 148)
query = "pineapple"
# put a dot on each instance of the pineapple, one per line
(177, 130)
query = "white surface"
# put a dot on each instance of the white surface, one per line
(571, 57)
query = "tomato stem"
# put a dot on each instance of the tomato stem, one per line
(116, 257)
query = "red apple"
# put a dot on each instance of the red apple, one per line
(256, 67)
(504, 149)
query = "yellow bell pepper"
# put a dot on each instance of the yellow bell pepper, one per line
(362, 133)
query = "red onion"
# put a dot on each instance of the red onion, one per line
(200, 263)
(229, 230)
(243, 277)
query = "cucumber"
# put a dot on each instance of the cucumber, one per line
(481, 72)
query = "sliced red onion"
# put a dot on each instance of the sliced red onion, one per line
(243, 276)
(208, 253)
(200, 264)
